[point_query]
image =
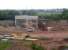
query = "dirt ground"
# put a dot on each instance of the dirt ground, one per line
(54, 34)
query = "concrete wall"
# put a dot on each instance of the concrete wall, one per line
(26, 21)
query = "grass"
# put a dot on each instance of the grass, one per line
(36, 47)
(4, 45)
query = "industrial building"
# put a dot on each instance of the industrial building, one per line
(30, 23)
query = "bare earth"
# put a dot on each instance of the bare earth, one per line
(50, 34)
(58, 34)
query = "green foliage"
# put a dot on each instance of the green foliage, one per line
(10, 14)
(64, 14)
(53, 48)
(65, 47)
(4, 45)
(36, 47)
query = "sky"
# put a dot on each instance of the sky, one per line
(33, 4)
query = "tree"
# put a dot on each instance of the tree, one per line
(65, 14)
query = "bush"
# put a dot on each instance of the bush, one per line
(36, 47)
(65, 47)
(4, 45)
(53, 48)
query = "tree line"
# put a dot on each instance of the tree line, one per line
(10, 14)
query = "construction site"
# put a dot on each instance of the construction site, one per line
(52, 35)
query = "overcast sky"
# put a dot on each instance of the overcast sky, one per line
(33, 4)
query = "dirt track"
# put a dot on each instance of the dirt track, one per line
(54, 34)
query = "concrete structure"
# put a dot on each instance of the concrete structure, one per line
(29, 23)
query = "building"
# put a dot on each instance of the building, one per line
(28, 23)
(31, 23)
